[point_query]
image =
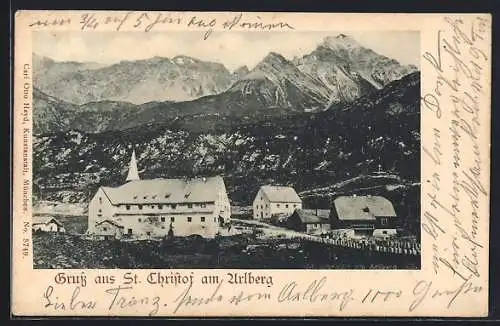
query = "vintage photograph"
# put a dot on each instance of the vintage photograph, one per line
(248, 150)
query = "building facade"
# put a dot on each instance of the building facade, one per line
(272, 200)
(364, 214)
(159, 207)
(311, 221)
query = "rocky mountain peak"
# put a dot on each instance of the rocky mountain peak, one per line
(341, 40)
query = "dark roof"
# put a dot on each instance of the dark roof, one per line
(363, 207)
(311, 216)
(110, 222)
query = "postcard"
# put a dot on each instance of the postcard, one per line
(250, 164)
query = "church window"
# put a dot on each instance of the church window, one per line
(100, 210)
(190, 218)
(127, 207)
(202, 218)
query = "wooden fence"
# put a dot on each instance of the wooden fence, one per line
(386, 246)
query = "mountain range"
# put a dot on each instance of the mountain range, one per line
(132, 93)
(306, 150)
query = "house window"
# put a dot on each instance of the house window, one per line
(294, 206)
(215, 220)
(202, 218)
(139, 219)
(190, 218)
(100, 210)
(286, 205)
(152, 206)
(100, 200)
(129, 231)
(139, 206)
(105, 229)
(160, 206)
(148, 233)
(261, 207)
(203, 205)
(99, 215)
(190, 205)
(278, 205)
(127, 207)
(174, 206)
(163, 226)
(162, 219)
(172, 219)
(267, 206)
(384, 221)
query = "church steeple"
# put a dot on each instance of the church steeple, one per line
(133, 173)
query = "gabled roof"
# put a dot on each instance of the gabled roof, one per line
(279, 194)
(110, 222)
(45, 220)
(363, 207)
(312, 216)
(168, 191)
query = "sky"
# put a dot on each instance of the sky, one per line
(232, 49)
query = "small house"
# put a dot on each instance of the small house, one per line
(47, 224)
(272, 200)
(311, 221)
(108, 229)
(363, 214)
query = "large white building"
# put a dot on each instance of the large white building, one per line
(159, 207)
(272, 200)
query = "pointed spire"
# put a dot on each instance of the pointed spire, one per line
(133, 173)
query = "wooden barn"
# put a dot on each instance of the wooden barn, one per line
(364, 214)
(312, 221)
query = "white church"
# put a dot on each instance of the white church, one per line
(159, 207)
